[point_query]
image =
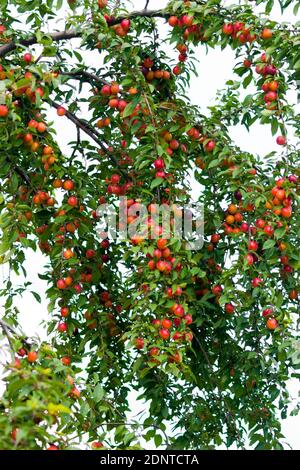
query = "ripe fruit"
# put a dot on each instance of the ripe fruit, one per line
(68, 253)
(210, 146)
(62, 327)
(68, 185)
(267, 312)
(232, 209)
(75, 393)
(178, 310)
(61, 284)
(113, 103)
(252, 245)
(166, 323)
(52, 447)
(153, 352)
(162, 243)
(17, 363)
(257, 281)
(286, 212)
(159, 164)
(173, 21)
(32, 356)
(272, 324)
(151, 265)
(227, 29)
(157, 253)
(187, 20)
(61, 111)
(270, 96)
(90, 253)
(66, 361)
(161, 266)
(229, 308)
(293, 295)
(3, 110)
(41, 127)
(27, 57)
(125, 24)
(97, 445)
(217, 290)
(281, 140)
(139, 343)
(164, 333)
(64, 311)
(102, 3)
(249, 259)
(260, 223)
(273, 86)
(269, 230)
(115, 179)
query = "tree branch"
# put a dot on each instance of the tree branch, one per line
(93, 134)
(74, 33)
(84, 73)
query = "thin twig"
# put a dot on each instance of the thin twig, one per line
(77, 33)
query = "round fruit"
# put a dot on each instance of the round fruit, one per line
(266, 33)
(229, 308)
(173, 21)
(281, 140)
(139, 343)
(27, 57)
(64, 311)
(166, 323)
(61, 111)
(68, 185)
(72, 201)
(164, 333)
(62, 327)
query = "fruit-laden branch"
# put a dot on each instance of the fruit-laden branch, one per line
(75, 33)
(20, 172)
(93, 134)
(83, 73)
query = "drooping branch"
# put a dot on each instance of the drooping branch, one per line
(57, 36)
(75, 33)
(93, 134)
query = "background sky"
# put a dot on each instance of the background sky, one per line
(214, 70)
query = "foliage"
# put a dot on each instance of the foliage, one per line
(218, 374)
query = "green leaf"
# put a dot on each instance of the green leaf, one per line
(269, 244)
(98, 393)
(158, 440)
(156, 182)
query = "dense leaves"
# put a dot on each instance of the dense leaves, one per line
(208, 337)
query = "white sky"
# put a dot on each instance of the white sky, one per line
(214, 70)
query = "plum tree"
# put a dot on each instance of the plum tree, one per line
(208, 344)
